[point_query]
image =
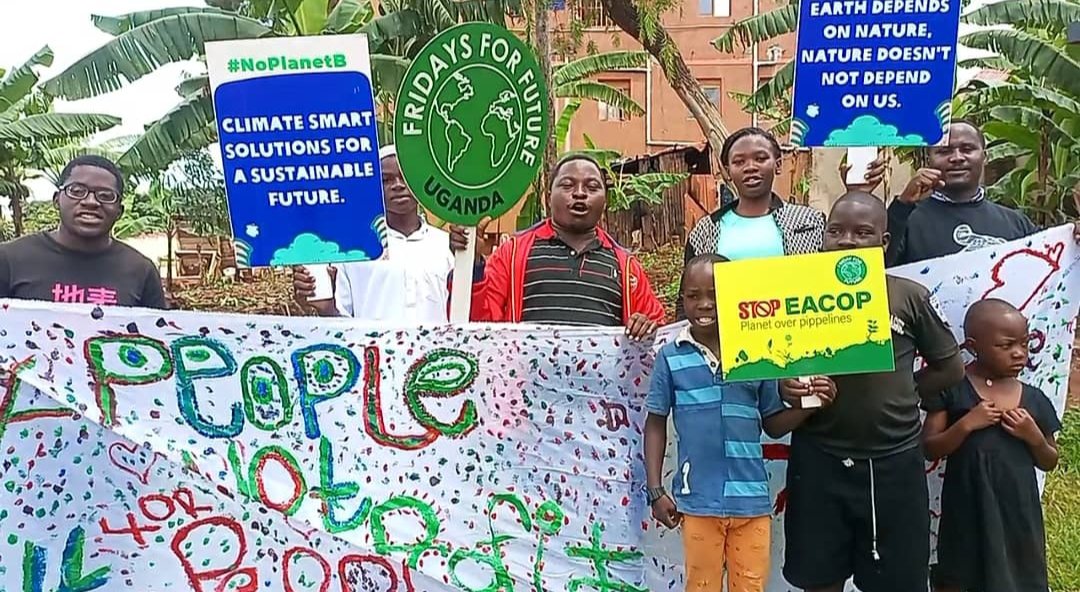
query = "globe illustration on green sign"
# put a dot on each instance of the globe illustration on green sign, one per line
(478, 121)
(851, 270)
(471, 123)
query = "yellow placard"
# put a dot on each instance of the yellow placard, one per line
(806, 315)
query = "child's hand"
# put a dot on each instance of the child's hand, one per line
(1019, 424)
(982, 416)
(792, 391)
(665, 512)
(824, 388)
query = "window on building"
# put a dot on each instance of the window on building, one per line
(713, 92)
(714, 7)
(612, 112)
(590, 13)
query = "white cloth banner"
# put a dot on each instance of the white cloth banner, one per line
(210, 452)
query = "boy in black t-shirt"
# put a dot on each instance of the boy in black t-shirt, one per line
(858, 503)
(79, 262)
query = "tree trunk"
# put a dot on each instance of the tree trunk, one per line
(542, 43)
(661, 46)
(18, 198)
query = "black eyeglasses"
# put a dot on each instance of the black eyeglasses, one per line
(78, 191)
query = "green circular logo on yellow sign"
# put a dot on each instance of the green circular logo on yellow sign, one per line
(470, 124)
(851, 270)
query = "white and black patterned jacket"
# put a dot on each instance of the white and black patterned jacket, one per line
(802, 227)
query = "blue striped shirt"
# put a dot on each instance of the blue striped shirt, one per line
(721, 471)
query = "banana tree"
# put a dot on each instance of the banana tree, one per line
(771, 96)
(1032, 119)
(29, 130)
(574, 79)
(144, 41)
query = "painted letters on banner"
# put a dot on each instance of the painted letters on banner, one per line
(874, 72)
(300, 149)
(833, 320)
(152, 451)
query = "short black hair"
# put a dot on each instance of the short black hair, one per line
(972, 125)
(985, 309)
(574, 157)
(709, 259)
(866, 199)
(96, 161)
(746, 132)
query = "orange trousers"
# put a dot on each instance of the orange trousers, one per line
(741, 545)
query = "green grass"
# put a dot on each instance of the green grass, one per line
(1061, 506)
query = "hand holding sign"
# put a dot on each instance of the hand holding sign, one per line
(304, 290)
(460, 241)
(865, 173)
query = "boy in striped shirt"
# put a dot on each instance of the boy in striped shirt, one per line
(721, 489)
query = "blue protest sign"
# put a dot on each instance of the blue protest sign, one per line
(299, 147)
(874, 72)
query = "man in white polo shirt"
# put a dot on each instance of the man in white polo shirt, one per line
(408, 283)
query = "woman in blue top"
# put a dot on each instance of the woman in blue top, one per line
(758, 223)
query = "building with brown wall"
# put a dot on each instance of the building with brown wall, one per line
(667, 122)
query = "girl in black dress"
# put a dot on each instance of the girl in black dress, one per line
(995, 430)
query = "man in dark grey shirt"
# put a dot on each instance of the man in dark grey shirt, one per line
(80, 262)
(944, 209)
(858, 503)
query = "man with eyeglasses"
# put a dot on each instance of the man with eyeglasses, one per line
(79, 262)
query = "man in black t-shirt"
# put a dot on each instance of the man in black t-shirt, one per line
(858, 503)
(944, 209)
(79, 262)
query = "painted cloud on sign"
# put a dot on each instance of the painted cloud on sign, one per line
(867, 130)
(309, 248)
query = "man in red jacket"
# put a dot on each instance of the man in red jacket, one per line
(566, 270)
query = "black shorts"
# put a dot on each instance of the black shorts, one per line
(829, 523)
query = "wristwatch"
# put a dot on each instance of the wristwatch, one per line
(652, 494)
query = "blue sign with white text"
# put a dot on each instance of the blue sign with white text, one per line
(874, 72)
(300, 154)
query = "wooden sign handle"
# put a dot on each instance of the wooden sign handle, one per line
(461, 290)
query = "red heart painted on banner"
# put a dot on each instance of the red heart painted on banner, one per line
(132, 459)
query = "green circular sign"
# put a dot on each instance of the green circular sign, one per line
(471, 123)
(851, 270)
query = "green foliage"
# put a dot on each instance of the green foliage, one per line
(40, 216)
(198, 193)
(1032, 119)
(31, 134)
(755, 29)
(1061, 507)
(625, 189)
(144, 41)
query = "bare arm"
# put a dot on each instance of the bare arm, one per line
(655, 446)
(939, 439)
(1045, 453)
(1019, 424)
(786, 421)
